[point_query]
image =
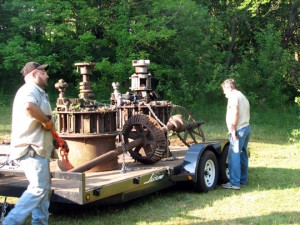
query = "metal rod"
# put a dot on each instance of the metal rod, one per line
(108, 156)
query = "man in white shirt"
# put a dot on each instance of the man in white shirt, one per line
(32, 144)
(237, 120)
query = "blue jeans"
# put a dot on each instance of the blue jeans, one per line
(36, 199)
(238, 157)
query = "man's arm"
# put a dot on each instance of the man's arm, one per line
(35, 112)
(235, 116)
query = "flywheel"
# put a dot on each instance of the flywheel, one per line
(155, 141)
(190, 131)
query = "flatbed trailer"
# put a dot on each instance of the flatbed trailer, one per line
(203, 164)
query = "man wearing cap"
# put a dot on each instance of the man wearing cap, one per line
(32, 144)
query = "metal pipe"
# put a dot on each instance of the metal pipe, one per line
(108, 156)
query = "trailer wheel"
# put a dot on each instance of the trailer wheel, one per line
(207, 172)
(223, 166)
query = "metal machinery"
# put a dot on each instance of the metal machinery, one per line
(141, 114)
(136, 122)
(88, 129)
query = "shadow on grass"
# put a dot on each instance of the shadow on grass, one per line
(272, 218)
(273, 178)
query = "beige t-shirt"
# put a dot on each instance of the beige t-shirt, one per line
(26, 130)
(237, 98)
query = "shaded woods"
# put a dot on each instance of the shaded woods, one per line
(193, 46)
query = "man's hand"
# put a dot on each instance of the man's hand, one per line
(48, 125)
(234, 135)
(59, 142)
(66, 146)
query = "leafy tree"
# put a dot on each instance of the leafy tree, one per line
(261, 72)
(56, 32)
(262, 64)
(193, 45)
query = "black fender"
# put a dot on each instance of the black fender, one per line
(194, 153)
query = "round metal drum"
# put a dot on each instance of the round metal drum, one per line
(84, 148)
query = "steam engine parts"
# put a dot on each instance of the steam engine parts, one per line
(88, 129)
(135, 121)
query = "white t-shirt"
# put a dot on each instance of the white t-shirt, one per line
(26, 130)
(237, 98)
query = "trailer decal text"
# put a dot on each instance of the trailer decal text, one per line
(155, 177)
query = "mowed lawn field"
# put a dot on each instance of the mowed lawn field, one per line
(271, 197)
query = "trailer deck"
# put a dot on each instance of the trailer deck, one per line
(102, 187)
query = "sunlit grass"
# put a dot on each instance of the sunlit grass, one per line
(5, 122)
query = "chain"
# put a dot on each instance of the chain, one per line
(161, 123)
(123, 170)
(119, 124)
(154, 115)
(4, 207)
(7, 162)
(4, 161)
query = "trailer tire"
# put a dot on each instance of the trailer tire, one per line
(207, 172)
(223, 166)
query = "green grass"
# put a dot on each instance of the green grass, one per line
(268, 125)
(272, 196)
(5, 122)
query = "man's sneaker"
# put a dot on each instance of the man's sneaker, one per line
(230, 186)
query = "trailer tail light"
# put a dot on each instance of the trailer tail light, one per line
(87, 197)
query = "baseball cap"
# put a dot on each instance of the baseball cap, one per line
(30, 66)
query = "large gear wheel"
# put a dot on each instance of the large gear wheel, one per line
(192, 133)
(155, 145)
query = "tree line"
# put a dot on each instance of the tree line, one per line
(193, 45)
